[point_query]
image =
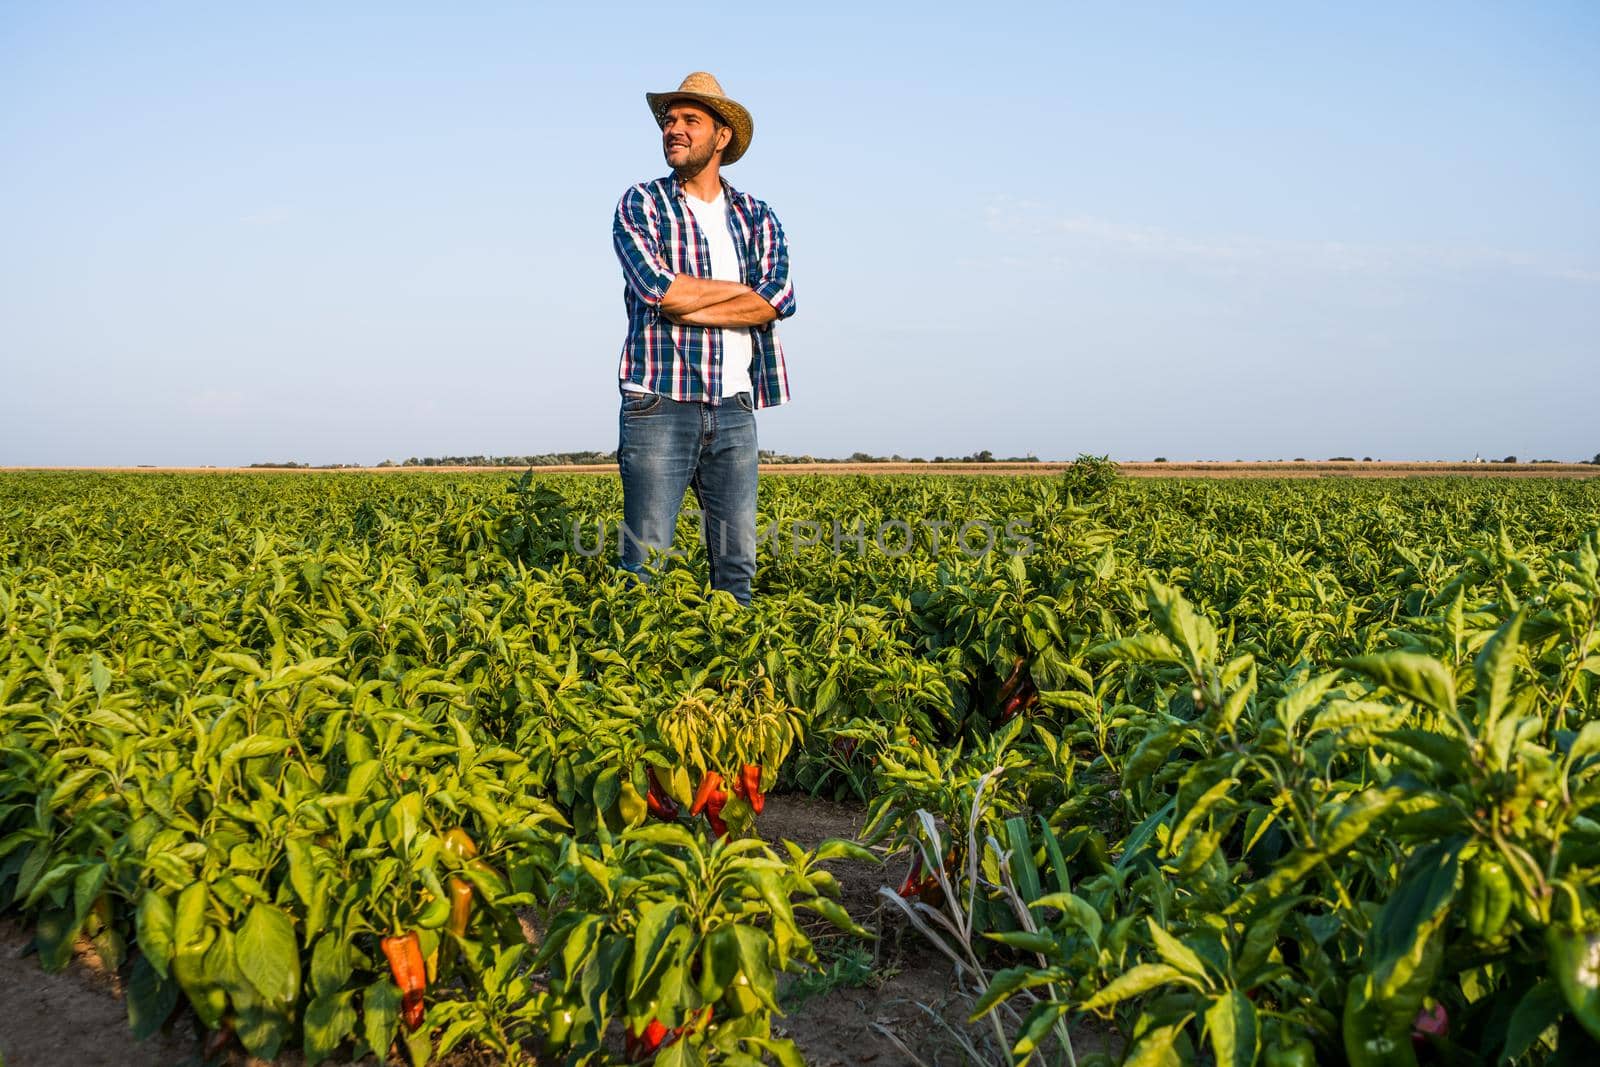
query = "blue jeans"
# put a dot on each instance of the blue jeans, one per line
(666, 446)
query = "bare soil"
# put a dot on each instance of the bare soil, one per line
(1134, 470)
(74, 1018)
(914, 1003)
(849, 1025)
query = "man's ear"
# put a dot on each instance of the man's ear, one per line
(723, 144)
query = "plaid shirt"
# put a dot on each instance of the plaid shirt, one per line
(656, 237)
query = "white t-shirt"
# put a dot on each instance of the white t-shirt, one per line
(737, 349)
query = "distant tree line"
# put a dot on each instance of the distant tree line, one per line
(547, 459)
(562, 459)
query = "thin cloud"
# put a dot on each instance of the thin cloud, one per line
(1232, 254)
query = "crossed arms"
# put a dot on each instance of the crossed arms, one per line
(688, 300)
(692, 301)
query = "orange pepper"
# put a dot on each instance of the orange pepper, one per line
(710, 785)
(404, 952)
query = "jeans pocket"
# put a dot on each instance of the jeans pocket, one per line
(640, 403)
(746, 402)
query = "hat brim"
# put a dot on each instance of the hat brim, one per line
(731, 111)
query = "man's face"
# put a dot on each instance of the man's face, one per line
(690, 137)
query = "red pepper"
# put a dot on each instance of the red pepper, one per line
(641, 1046)
(914, 880)
(404, 953)
(714, 807)
(926, 885)
(1023, 699)
(655, 1036)
(748, 786)
(1430, 1022)
(709, 785)
(1009, 687)
(660, 804)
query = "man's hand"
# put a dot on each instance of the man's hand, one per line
(688, 293)
(746, 309)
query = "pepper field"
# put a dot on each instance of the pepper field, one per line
(1237, 772)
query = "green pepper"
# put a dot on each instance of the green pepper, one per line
(1380, 1008)
(1488, 898)
(630, 804)
(459, 844)
(1575, 962)
(1299, 1052)
(435, 912)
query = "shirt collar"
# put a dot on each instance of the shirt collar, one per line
(677, 191)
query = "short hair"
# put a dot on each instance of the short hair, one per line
(717, 121)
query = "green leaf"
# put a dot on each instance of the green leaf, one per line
(99, 675)
(1411, 674)
(838, 848)
(153, 924)
(1539, 1010)
(1025, 940)
(1011, 980)
(1058, 863)
(1231, 1024)
(1036, 1025)
(1425, 890)
(1494, 669)
(666, 834)
(261, 1026)
(1156, 1047)
(719, 962)
(1296, 703)
(268, 955)
(785, 1051)
(835, 913)
(1024, 872)
(1197, 811)
(330, 963)
(1586, 744)
(1133, 982)
(1447, 751)
(330, 1019)
(1174, 617)
(1142, 648)
(1177, 954)
(302, 872)
(150, 999)
(380, 1016)
(656, 922)
(1076, 909)
(753, 966)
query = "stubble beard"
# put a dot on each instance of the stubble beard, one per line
(697, 160)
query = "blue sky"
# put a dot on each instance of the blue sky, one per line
(231, 233)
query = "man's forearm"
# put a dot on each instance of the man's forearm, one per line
(688, 293)
(746, 309)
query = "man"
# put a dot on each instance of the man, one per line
(707, 273)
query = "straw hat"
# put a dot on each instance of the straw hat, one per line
(705, 89)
